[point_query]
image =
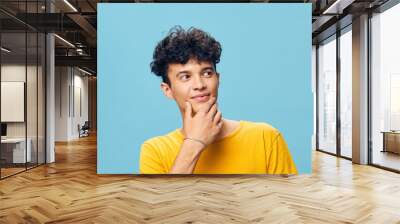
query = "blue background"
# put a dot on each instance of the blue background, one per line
(265, 72)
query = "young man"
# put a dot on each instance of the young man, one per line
(207, 143)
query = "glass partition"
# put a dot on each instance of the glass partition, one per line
(14, 153)
(22, 101)
(385, 89)
(346, 92)
(327, 95)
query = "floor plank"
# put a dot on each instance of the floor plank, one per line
(70, 191)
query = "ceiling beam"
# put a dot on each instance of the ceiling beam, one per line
(84, 61)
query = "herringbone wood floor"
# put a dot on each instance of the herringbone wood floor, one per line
(70, 191)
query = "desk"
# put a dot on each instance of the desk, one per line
(391, 141)
(15, 148)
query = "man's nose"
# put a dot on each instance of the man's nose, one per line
(199, 83)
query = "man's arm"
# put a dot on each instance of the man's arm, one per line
(187, 158)
(199, 130)
(150, 162)
(279, 158)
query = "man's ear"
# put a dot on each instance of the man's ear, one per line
(167, 90)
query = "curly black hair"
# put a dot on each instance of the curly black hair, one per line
(180, 45)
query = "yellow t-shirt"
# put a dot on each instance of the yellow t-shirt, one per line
(252, 148)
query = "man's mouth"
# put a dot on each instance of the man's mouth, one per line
(201, 97)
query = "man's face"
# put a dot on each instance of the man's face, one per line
(194, 82)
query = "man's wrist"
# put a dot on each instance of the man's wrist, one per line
(196, 140)
(194, 146)
(187, 157)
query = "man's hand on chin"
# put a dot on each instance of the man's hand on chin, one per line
(205, 124)
(199, 130)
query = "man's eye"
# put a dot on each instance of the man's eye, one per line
(208, 73)
(184, 77)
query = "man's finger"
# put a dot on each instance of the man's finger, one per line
(211, 102)
(213, 111)
(220, 123)
(218, 117)
(188, 110)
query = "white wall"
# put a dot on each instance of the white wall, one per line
(12, 73)
(79, 117)
(15, 72)
(62, 81)
(70, 84)
(12, 100)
